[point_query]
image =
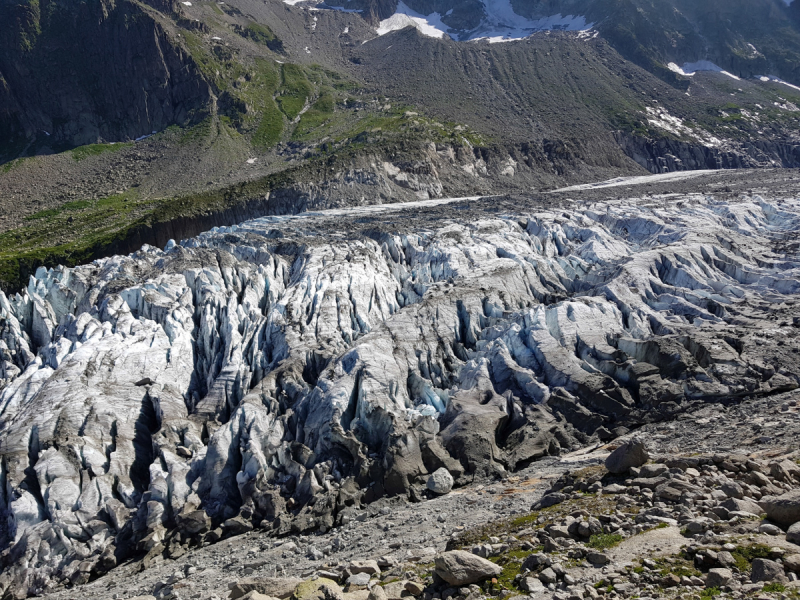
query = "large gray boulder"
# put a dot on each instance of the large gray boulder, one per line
(767, 570)
(459, 568)
(632, 453)
(718, 577)
(440, 481)
(783, 509)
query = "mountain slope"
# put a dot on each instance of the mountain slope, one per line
(265, 107)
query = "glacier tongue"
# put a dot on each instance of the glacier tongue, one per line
(273, 373)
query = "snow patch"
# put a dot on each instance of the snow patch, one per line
(689, 69)
(501, 23)
(637, 180)
(659, 117)
(773, 79)
(430, 25)
(186, 3)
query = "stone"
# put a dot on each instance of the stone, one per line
(358, 580)
(614, 488)
(440, 481)
(548, 576)
(732, 490)
(414, 588)
(653, 470)
(793, 534)
(364, 566)
(532, 585)
(742, 505)
(462, 568)
(597, 558)
(765, 570)
(670, 580)
(536, 560)
(725, 558)
(318, 589)
(278, 587)
(718, 577)
(770, 529)
(784, 509)
(254, 595)
(792, 563)
(550, 499)
(377, 593)
(632, 453)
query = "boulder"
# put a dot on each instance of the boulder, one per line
(793, 534)
(654, 470)
(440, 481)
(364, 566)
(532, 585)
(597, 558)
(632, 453)
(357, 581)
(461, 568)
(536, 560)
(718, 577)
(741, 505)
(783, 509)
(277, 587)
(377, 593)
(548, 576)
(792, 563)
(770, 529)
(765, 570)
(318, 589)
(550, 499)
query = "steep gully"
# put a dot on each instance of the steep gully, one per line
(273, 373)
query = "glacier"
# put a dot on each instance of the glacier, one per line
(274, 373)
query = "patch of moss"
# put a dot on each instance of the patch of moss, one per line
(295, 90)
(602, 541)
(745, 555)
(679, 565)
(262, 34)
(511, 562)
(52, 212)
(84, 152)
(710, 592)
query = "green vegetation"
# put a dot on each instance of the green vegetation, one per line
(315, 117)
(745, 555)
(774, 587)
(83, 152)
(263, 35)
(680, 565)
(295, 91)
(710, 592)
(52, 212)
(602, 541)
(12, 164)
(511, 562)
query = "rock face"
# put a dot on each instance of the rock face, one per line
(460, 568)
(74, 74)
(632, 453)
(224, 383)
